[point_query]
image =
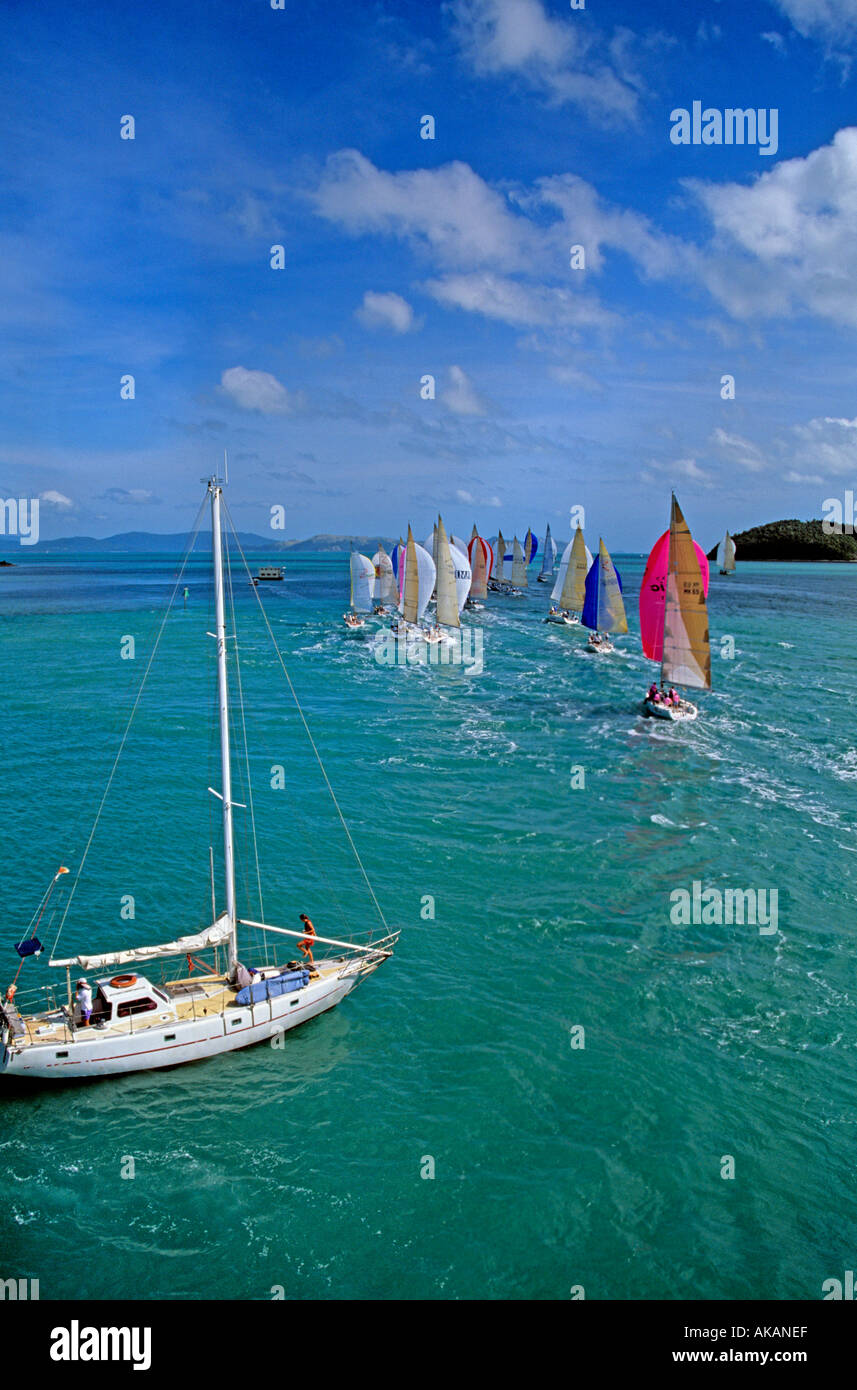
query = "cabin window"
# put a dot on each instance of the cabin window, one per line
(135, 1006)
(237, 1020)
(169, 1037)
(61, 1054)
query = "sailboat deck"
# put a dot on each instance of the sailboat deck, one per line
(191, 998)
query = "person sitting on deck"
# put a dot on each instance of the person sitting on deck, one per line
(306, 944)
(674, 697)
(83, 1001)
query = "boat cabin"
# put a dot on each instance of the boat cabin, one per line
(125, 996)
(270, 572)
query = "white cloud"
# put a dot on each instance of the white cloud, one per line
(686, 468)
(449, 211)
(775, 40)
(521, 305)
(739, 450)
(827, 444)
(831, 21)
(135, 496)
(792, 477)
(785, 243)
(56, 499)
(255, 391)
(461, 396)
(386, 311)
(557, 57)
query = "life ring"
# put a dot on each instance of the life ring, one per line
(123, 981)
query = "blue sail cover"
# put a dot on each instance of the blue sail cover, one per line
(592, 591)
(30, 947)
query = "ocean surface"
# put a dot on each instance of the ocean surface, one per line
(555, 1166)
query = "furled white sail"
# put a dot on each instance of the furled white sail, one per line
(418, 581)
(562, 576)
(212, 936)
(385, 580)
(463, 574)
(447, 594)
(362, 582)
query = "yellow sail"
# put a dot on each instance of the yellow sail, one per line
(574, 588)
(447, 595)
(611, 608)
(687, 654)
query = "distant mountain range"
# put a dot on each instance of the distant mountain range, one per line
(147, 542)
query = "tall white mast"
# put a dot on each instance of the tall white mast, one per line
(223, 701)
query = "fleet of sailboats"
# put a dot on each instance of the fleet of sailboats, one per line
(458, 577)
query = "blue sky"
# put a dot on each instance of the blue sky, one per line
(556, 387)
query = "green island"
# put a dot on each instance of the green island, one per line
(791, 540)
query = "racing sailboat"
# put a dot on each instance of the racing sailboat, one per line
(545, 575)
(569, 590)
(726, 555)
(674, 618)
(481, 558)
(362, 572)
(123, 1020)
(603, 607)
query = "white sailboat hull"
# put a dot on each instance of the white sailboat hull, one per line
(563, 619)
(168, 1044)
(681, 713)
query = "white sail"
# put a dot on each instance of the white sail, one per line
(726, 554)
(362, 582)
(548, 554)
(430, 543)
(519, 565)
(447, 594)
(498, 557)
(457, 543)
(418, 582)
(463, 574)
(385, 580)
(556, 591)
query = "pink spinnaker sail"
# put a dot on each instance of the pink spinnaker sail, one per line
(653, 594)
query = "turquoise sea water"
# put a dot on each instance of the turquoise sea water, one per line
(555, 1166)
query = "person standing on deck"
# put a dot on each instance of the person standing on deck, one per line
(83, 999)
(306, 945)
